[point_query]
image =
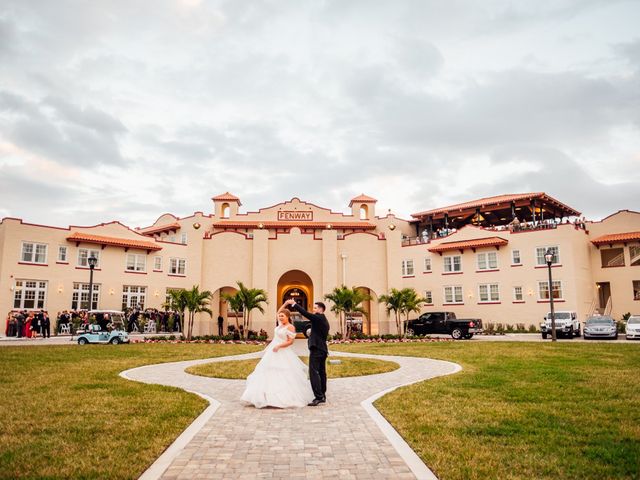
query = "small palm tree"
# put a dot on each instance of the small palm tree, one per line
(394, 302)
(246, 300)
(412, 302)
(346, 301)
(197, 302)
(178, 302)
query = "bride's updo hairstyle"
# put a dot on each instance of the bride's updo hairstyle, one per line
(286, 313)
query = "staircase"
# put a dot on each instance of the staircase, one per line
(617, 261)
(608, 307)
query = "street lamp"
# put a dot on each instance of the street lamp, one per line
(549, 259)
(92, 261)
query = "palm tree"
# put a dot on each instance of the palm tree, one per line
(394, 302)
(411, 302)
(235, 303)
(178, 302)
(196, 302)
(246, 300)
(346, 301)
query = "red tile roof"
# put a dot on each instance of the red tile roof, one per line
(473, 244)
(160, 228)
(616, 238)
(226, 197)
(494, 201)
(314, 225)
(117, 242)
(362, 198)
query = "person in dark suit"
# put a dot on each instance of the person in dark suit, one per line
(220, 324)
(318, 350)
(45, 325)
(20, 319)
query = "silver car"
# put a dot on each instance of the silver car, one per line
(600, 327)
(633, 327)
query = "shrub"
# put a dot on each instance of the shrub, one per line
(533, 329)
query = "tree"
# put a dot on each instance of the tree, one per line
(402, 302)
(346, 301)
(246, 300)
(177, 302)
(412, 302)
(196, 302)
(394, 302)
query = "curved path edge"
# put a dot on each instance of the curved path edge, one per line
(408, 455)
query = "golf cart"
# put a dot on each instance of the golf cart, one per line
(107, 329)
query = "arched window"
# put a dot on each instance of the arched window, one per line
(364, 212)
(225, 210)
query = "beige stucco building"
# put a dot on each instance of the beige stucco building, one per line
(470, 258)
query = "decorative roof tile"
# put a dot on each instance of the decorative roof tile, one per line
(314, 225)
(472, 244)
(616, 238)
(226, 197)
(362, 198)
(115, 241)
(160, 228)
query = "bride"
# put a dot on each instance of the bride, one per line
(280, 378)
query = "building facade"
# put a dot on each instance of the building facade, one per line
(483, 259)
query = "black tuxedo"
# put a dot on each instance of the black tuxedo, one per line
(318, 350)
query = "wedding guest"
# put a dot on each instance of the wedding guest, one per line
(20, 323)
(30, 326)
(46, 325)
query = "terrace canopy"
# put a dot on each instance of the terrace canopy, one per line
(494, 211)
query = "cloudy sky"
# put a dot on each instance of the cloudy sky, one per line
(128, 109)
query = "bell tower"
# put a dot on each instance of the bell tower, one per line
(226, 205)
(363, 207)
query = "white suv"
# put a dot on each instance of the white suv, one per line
(567, 325)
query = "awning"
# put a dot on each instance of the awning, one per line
(79, 237)
(472, 244)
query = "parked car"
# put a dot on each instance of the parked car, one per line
(567, 324)
(633, 327)
(443, 322)
(602, 326)
(97, 335)
(302, 326)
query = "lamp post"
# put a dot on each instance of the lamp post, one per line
(92, 261)
(549, 259)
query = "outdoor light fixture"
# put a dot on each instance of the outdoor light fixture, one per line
(392, 227)
(196, 225)
(549, 259)
(111, 291)
(92, 261)
(59, 288)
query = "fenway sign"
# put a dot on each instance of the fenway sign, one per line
(289, 216)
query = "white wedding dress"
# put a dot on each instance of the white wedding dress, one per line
(280, 378)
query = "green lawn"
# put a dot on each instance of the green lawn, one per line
(350, 367)
(522, 411)
(65, 412)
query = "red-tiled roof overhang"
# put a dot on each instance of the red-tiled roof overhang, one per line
(116, 242)
(362, 199)
(313, 225)
(472, 244)
(616, 238)
(162, 228)
(228, 197)
(500, 201)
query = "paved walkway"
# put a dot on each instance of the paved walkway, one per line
(345, 438)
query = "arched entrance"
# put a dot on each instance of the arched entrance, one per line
(370, 320)
(297, 285)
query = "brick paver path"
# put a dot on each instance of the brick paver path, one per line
(338, 439)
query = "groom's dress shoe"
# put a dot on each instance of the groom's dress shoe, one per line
(317, 401)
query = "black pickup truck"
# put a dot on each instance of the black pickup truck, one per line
(443, 322)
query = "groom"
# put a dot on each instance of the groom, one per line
(317, 349)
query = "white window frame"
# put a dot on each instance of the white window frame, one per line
(546, 282)
(427, 264)
(543, 250)
(450, 263)
(428, 296)
(183, 238)
(513, 257)
(407, 268)
(451, 297)
(157, 260)
(33, 254)
(63, 258)
(174, 266)
(485, 258)
(487, 293)
(516, 295)
(133, 298)
(83, 261)
(139, 263)
(80, 296)
(37, 293)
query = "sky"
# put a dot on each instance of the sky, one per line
(125, 110)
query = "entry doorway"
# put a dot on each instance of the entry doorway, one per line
(604, 294)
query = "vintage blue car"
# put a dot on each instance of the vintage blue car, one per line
(96, 335)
